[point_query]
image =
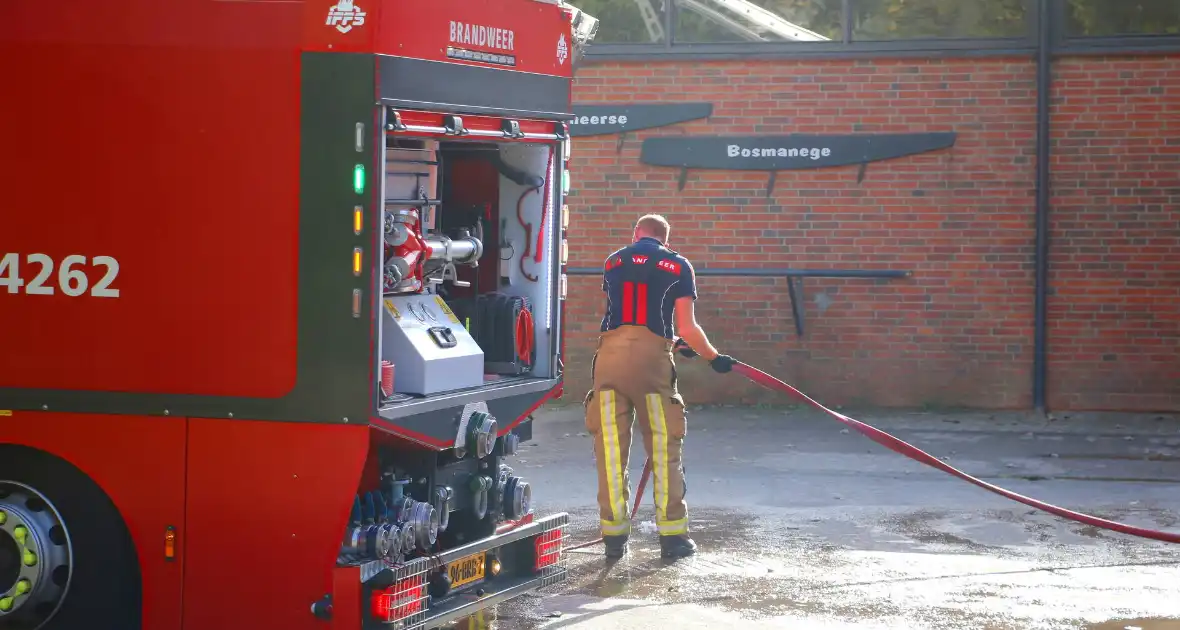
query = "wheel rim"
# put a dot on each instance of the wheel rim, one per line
(36, 557)
(10, 566)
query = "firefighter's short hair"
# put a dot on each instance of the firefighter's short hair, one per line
(655, 225)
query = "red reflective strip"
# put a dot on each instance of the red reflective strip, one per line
(641, 305)
(628, 301)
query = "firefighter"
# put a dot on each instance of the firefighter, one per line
(650, 292)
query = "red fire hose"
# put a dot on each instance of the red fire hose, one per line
(523, 343)
(916, 454)
(528, 234)
(528, 227)
(900, 446)
(634, 510)
(545, 200)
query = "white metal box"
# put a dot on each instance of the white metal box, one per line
(429, 347)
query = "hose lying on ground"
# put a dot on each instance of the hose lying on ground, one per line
(898, 446)
(901, 447)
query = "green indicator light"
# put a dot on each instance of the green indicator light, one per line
(565, 182)
(6, 604)
(358, 179)
(23, 586)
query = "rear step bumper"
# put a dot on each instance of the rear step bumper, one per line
(487, 593)
(467, 604)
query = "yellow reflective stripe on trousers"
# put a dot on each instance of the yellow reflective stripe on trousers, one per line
(659, 449)
(673, 528)
(611, 457)
(615, 528)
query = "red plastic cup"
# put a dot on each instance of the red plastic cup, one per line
(387, 378)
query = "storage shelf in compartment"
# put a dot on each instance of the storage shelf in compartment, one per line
(501, 387)
(413, 202)
(512, 369)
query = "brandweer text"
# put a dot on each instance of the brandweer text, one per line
(478, 35)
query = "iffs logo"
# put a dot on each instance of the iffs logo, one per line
(668, 265)
(563, 50)
(639, 260)
(344, 16)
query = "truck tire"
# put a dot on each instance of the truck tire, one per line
(86, 570)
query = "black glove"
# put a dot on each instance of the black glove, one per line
(722, 363)
(684, 349)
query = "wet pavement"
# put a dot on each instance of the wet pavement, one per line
(803, 524)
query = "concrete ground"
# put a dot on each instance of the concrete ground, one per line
(803, 524)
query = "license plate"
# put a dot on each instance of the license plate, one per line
(467, 570)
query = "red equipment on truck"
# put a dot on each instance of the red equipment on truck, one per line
(266, 337)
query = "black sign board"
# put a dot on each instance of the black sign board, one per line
(790, 152)
(600, 120)
(787, 152)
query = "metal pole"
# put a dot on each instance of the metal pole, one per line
(670, 22)
(1044, 83)
(846, 20)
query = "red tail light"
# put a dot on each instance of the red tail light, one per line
(548, 547)
(402, 600)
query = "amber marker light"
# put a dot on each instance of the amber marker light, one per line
(170, 543)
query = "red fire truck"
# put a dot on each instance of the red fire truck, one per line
(281, 284)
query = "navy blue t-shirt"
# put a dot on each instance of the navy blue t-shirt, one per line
(642, 283)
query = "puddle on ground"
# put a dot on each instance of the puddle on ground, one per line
(759, 568)
(644, 574)
(1084, 478)
(1147, 457)
(1137, 624)
(928, 527)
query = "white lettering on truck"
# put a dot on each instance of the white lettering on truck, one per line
(485, 36)
(734, 150)
(613, 119)
(344, 15)
(72, 278)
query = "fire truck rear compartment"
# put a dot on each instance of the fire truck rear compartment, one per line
(468, 311)
(467, 329)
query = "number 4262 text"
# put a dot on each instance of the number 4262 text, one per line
(72, 276)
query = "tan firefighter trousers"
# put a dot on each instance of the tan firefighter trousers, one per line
(634, 372)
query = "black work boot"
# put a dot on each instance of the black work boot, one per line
(616, 546)
(678, 546)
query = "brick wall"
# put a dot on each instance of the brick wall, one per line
(1114, 327)
(959, 332)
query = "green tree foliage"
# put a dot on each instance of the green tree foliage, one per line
(926, 19)
(1122, 17)
(619, 21)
